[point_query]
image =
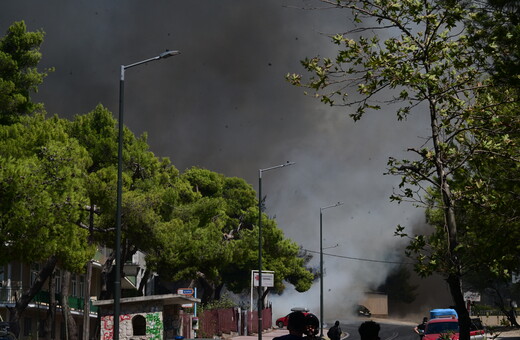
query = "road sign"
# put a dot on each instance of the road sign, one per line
(187, 292)
(471, 296)
(267, 279)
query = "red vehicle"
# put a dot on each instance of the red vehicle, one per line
(284, 320)
(436, 327)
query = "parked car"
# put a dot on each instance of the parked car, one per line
(477, 330)
(361, 310)
(284, 320)
(436, 327)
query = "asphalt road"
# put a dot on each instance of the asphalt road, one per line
(389, 331)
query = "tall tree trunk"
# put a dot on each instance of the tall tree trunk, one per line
(50, 326)
(144, 280)
(107, 278)
(264, 294)
(218, 291)
(88, 279)
(71, 329)
(511, 314)
(454, 276)
(460, 306)
(16, 312)
(86, 302)
(208, 289)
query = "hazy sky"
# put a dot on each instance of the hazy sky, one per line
(223, 104)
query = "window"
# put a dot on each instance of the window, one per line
(82, 286)
(57, 280)
(139, 325)
(74, 285)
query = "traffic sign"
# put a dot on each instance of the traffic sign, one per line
(267, 279)
(187, 292)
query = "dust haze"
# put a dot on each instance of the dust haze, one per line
(224, 105)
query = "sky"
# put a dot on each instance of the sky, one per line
(224, 104)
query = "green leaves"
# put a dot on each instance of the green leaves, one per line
(19, 56)
(456, 65)
(41, 192)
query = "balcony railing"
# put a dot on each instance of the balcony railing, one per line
(8, 294)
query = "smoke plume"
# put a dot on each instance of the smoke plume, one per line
(223, 104)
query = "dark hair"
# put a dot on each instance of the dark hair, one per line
(312, 320)
(369, 330)
(296, 322)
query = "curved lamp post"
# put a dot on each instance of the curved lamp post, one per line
(117, 280)
(321, 263)
(260, 288)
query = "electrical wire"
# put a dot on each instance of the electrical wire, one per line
(360, 259)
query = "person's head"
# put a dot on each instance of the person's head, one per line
(296, 323)
(369, 330)
(425, 319)
(336, 323)
(311, 325)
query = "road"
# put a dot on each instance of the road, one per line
(389, 330)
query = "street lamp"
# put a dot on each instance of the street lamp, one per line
(321, 263)
(260, 288)
(117, 280)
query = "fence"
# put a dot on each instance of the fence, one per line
(252, 321)
(231, 320)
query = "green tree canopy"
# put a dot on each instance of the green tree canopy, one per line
(19, 56)
(426, 62)
(214, 241)
(41, 193)
(198, 225)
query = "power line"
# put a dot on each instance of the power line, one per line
(359, 258)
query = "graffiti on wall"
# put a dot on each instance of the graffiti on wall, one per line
(154, 326)
(107, 325)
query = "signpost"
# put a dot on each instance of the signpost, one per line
(187, 292)
(472, 296)
(267, 281)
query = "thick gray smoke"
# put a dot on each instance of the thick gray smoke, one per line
(223, 104)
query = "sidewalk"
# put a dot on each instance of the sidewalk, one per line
(512, 334)
(268, 335)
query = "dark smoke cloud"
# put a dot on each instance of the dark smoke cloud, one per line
(223, 104)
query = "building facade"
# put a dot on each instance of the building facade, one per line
(16, 278)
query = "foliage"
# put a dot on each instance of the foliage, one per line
(213, 238)
(427, 61)
(446, 336)
(199, 225)
(223, 302)
(487, 204)
(41, 192)
(19, 56)
(499, 41)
